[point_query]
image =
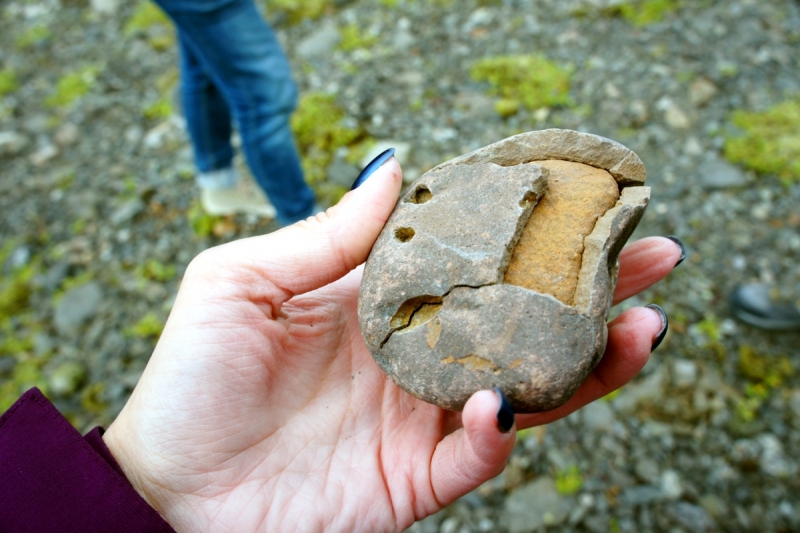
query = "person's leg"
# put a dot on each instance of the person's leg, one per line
(239, 51)
(208, 122)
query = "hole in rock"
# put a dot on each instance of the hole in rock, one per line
(404, 234)
(416, 312)
(527, 200)
(421, 195)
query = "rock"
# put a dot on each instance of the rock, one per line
(77, 306)
(12, 143)
(67, 378)
(548, 256)
(104, 7)
(646, 469)
(692, 517)
(773, 459)
(684, 373)
(43, 154)
(716, 173)
(67, 134)
(342, 173)
(126, 212)
(702, 91)
(436, 308)
(535, 505)
(676, 118)
(321, 42)
(598, 416)
(671, 486)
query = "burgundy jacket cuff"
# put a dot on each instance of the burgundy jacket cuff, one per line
(52, 479)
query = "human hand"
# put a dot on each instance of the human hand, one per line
(262, 409)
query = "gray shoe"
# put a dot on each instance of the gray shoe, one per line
(763, 306)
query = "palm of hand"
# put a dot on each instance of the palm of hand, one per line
(292, 402)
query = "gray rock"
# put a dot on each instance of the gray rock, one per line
(598, 416)
(12, 143)
(77, 306)
(692, 517)
(126, 212)
(67, 134)
(716, 173)
(640, 494)
(684, 372)
(433, 308)
(535, 505)
(341, 172)
(320, 42)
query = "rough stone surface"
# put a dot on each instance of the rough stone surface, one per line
(547, 258)
(436, 308)
(535, 505)
(77, 306)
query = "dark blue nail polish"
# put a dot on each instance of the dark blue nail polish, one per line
(505, 414)
(370, 169)
(677, 241)
(664, 325)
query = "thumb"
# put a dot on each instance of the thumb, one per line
(321, 249)
(477, 452)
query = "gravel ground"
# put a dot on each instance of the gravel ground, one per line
(99, 222)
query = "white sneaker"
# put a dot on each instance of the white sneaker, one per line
(222, 202)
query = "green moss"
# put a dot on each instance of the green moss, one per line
(765, 369)
(353, 38)
(320, 130)
(641, 13)
(149, 19)
(299, 10)
(92, 399)
(8, 81)
(26, 374)
(531, 80)
(158, 110)
(156, 271)
(33, 36)
(769, 142)
(145, 16)
(149, 326)
(201, 222)
(569, 480)
(72, 86)
(506, 107)
(15, 287)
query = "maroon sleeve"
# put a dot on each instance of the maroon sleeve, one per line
(52, 479)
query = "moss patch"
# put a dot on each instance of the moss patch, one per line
(569, 480)
(298, 10)
(532, 81)
(641, 13)
(769, 142)
(33, 36)
(149, 19)
(321, 129)
(149, 326)
(72, 86)
(354, 38)
(8, 82)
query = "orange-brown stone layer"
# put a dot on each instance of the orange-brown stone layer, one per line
(547, 258)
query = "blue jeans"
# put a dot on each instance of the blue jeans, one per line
(233, 68)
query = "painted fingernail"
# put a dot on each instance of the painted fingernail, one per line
(664, 325)
(677, 241)
(371, 167)
(505, 414)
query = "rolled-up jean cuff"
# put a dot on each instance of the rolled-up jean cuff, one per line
(216, 180)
